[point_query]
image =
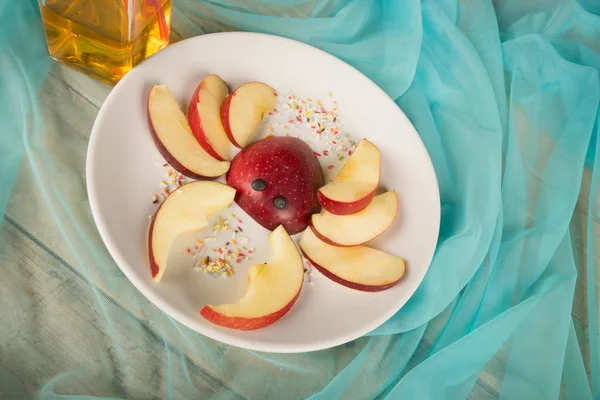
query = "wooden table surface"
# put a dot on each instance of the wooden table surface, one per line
(49, 267)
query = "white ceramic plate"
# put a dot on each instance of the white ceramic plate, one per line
(121, 154)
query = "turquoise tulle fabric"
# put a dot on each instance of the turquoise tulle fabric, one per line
(506, 98)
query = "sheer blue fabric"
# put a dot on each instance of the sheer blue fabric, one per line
(506, 98)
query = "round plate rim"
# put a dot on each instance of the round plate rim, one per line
(143, 287)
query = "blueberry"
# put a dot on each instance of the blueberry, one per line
(259, 185)
(279, 202)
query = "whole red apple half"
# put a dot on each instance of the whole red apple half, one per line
(276, 182)
(273, 288)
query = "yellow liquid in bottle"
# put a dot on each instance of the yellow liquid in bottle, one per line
(105, 38)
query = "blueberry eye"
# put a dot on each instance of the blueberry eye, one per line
(259, 185)
(279, 202)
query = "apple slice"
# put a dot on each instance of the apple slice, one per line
(242, 111)
(204, 116)
(174, 139)
(359, 267)
(354, 186)
(359, 228)
(273, 288)
(184, 210)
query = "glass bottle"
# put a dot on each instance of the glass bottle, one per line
(105, 38)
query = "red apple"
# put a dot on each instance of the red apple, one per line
(273, 288)
(184, 210)
(243, 110)
(358, 267)
(359, 228)
(353, 189)
(204, 116)
(174, 139)
(276, 180)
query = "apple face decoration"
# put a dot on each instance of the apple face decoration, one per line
(276, 182)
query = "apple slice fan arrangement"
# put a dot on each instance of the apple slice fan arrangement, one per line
(279, 181)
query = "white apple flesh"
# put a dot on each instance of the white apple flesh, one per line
(359, 267)
(273, 288)
(174, 139)
(359, 228)
(184, 210)
(204, 116)
(243, 110)
(354, 187)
